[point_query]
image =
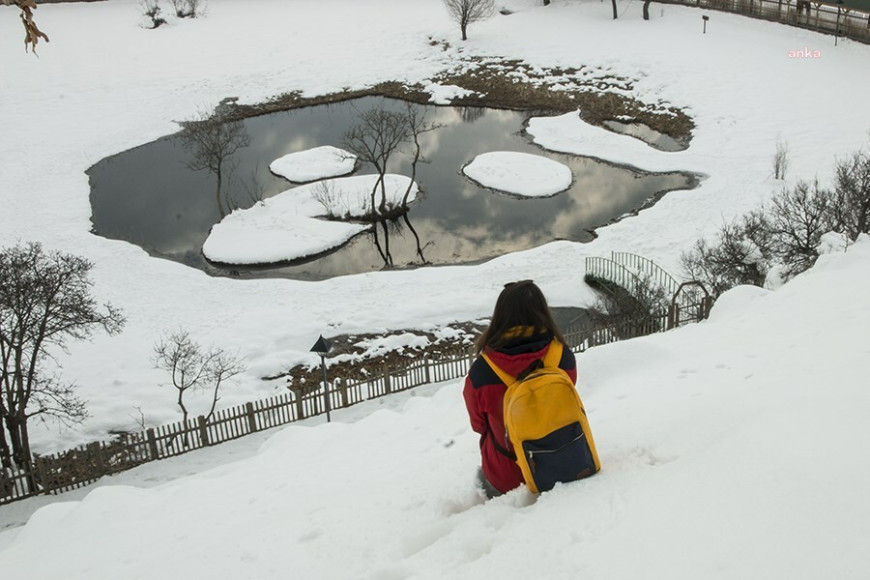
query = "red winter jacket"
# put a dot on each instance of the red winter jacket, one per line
(484, 396)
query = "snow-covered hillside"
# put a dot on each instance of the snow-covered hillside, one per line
(104, 84)
(731, 449)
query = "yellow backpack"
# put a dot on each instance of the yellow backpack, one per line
(546, 425)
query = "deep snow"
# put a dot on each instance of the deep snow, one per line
(731, 448)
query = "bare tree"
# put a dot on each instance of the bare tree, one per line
(798, 217)
(212, 141)
(32, 33)
(375, 139)
(740, 254)
(851, 204)
(465, 12)
(45, 300)
(192, 368)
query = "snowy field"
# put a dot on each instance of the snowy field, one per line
(731, 449)
(104, 85)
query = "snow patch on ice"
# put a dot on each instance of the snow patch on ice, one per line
(521, 174)
(313, 164)
(286, 227)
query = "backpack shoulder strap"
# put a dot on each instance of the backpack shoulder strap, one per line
(550, 360)
(507, 379)
(554, 354)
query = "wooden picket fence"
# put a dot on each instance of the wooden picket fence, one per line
(67, 470)
(827, 17)
(74, 468)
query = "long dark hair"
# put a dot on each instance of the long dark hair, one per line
(519, 304)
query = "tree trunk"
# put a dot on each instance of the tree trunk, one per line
(416, 237)
(14, 429)
(382, 208)
(389, 256)
(615, 13)
(218, 194)
(646, 10)
(464, 26)
(5, 453)
(27, 458)
(378, 244)
(21, 459)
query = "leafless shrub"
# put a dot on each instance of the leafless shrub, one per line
(187, 8)
(740, 254)
(780, 160)
(797, 219)
(151, 9)
(851, 204)
(628, 312)
(325, 193)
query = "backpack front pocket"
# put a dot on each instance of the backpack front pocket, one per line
(563, 455)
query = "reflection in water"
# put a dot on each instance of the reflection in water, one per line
(148, 196)
(211, 143)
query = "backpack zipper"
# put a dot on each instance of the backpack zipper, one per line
(531, 454)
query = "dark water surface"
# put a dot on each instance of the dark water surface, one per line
(148, 195)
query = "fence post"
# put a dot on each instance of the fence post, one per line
(252, 419)
(342, 390)
(38, 465)
(706, 307)
(203, 430)
(426, 368)
(387, 381)
(95, 451)
(152, 445)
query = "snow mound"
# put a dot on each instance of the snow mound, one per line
(286, 227)
(520, 174)
(313, 164)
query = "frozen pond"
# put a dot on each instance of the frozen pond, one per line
(150, 197)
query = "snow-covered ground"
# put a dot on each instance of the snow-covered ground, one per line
(730, 449)
(104, 85)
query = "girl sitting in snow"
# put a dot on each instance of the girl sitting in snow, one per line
(520, 332)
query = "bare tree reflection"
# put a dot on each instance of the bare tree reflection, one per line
(212, 140)
(377, 136)
(416, 238)
(471, 114)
